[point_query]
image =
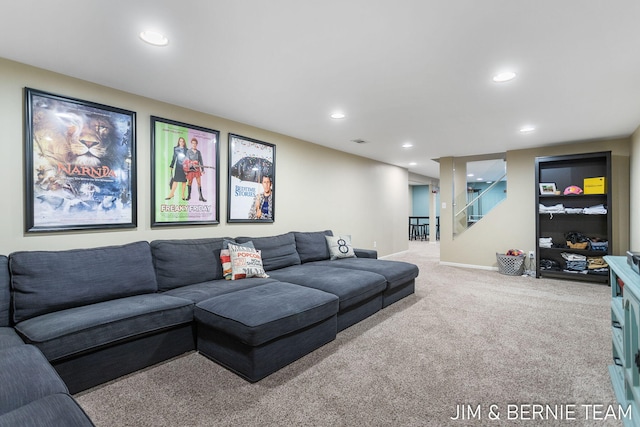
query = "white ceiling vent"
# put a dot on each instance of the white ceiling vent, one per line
(359, 141)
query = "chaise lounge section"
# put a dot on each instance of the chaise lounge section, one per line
(359, 292)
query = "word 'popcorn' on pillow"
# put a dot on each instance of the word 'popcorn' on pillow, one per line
(245, 263)
(340, 247)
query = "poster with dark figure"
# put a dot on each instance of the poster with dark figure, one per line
(251, 195)
(80, 164)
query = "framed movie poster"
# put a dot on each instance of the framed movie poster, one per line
(251, 180)
(80, 164)
(184, 174)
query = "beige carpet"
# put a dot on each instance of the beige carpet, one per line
(467, 337)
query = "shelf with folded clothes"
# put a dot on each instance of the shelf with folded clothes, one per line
(586, 252)
(564, 264)
(561, 209)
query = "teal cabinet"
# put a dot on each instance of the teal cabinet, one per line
(625, 333)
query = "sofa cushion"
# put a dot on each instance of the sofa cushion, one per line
(54, 410)
(205, 290)
(396, 272)
(4, 292)
(277, 251)
(312, 246)
(258, 315)
(187, 261)
(26, 376)
(351, 286)
(9, 338)
(77, 329)
(48, 281)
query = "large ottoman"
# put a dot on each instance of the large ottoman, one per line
(254, 332)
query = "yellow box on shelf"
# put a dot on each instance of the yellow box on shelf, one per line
(595, 185)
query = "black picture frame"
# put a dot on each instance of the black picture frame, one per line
(179, 203)
(80, 164)
(251, 163)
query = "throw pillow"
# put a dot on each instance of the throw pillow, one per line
(225, 257)
(225, 260)
(340, 247)
(245, 262)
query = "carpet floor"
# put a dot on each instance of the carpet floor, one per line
(470, 347)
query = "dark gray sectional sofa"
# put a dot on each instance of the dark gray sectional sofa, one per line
(97, 314)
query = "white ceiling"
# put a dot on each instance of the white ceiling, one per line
(414, 71)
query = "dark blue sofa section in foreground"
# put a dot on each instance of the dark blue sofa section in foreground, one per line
(31, 391)
(97, 314)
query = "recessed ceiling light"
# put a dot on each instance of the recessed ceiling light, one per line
(338, 116)
(470, 174)
(504, 77)
(478, 179)
(154, 38)
(412, 164)
(527, 129)
(407, 145)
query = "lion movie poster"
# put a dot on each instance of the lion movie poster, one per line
(184, 173)
(80, 164)
(251, 180)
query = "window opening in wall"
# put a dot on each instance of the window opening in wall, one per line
(478, 187)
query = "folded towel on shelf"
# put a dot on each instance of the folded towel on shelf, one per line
(595, 210)
(573, 257)
(573, 210)
(545, 242)
(559, 208)
(596, 263)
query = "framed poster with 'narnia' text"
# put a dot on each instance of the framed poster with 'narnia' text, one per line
(80, 165)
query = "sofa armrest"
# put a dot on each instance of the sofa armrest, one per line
(26, 376)
(366, 253)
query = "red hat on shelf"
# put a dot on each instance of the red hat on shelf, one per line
(572, 189)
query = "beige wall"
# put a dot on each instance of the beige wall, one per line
(512, 223)
(317, 188)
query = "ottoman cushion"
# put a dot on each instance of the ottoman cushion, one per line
(260, 314)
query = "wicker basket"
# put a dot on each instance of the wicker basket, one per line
(510, 265)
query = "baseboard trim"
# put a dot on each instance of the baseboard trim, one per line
(477, 267)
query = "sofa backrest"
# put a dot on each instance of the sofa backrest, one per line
(186, 261)
(312, 246)
(5, 293)
(277, 251)
(47, 281)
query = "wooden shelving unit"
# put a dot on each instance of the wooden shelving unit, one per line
(565, 171)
